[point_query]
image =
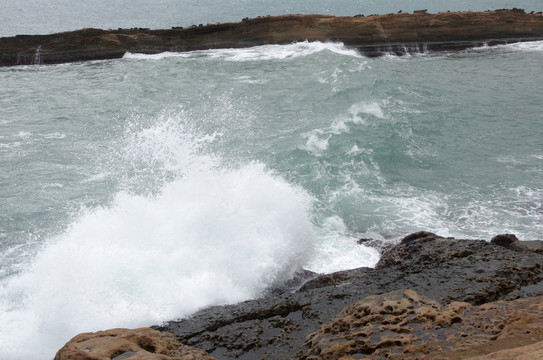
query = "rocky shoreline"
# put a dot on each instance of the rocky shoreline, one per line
(372, 35)
(429, 297)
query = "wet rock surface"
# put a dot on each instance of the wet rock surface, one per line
(444, 270)
(508, 241)
(372, 35)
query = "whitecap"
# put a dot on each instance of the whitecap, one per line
(337, 250)
(97, 177)
(367, 108)
(316, 145)
(24, 134)
(11, 145)
(354, 150)
(529, 46)
(55, 135)
(213, 235)
(154, 57)
(256, 53)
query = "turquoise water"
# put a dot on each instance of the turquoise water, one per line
(139, 190)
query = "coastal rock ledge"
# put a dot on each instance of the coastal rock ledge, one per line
(429, 297)
(404, 325)
(372, 35)
(136, 344)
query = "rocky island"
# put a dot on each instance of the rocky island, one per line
(429, 297)
(372, 35)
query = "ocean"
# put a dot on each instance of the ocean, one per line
(139, 190)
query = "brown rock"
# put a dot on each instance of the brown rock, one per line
(337, 278)
(137, 344)
(405, 325)
(417, 236)
(534, 245)
(406, 249)
(508, 241)
(528, 352)
(372, 35)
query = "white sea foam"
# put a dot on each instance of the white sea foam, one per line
(473, 215)
(526, 46)
(54, 135)
(318, 140)
(213, 235)
(535, 46)
(368, 108)
(354, 150)
(359, 113)
(256, 53)
(155, 57)
(53, 185)
(336, 250)
(11, 145)
(250, 80)
(273, 52)
(24, 134)
(316, 145)
(97, 177)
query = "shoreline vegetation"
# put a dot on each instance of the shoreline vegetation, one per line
(372, 35)
(429, 297)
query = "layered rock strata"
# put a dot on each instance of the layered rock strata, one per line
(372, 35)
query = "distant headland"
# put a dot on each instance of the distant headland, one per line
(371, 35)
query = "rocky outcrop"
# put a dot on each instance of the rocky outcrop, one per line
(458, 275)
(137, 344)
(508, 241)
(372, 35)
(466, 299)
(404, 325)
(511, 242)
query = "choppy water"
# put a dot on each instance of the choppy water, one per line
(139, 190)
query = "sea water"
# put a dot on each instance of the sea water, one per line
(139, 190)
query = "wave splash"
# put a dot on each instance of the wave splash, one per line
(528, 46)
(256, 53)
(214, 235)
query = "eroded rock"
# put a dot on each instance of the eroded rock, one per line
(136, 344)
(405, 325)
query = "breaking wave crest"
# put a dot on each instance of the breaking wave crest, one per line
(257, 53)
(213, 235)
